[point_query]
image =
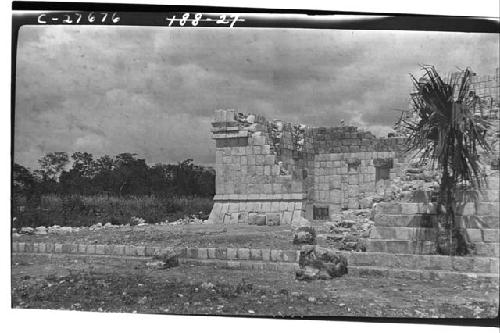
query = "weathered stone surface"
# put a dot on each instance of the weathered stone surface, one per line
(165, 260)
(320, 263)
(257, 219)
(272, 219)
(300, 222)
(304, 235)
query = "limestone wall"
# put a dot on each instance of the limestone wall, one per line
(272, 172)
(259, 173)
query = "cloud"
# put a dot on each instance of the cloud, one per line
(150, 90)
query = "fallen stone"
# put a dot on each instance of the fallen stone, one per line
(27, 230)
(307, 273)
(300, 222)
(41, 231)
(273, 219)
(156, 264)
(316, 262)
(169, 259)
(304, 235)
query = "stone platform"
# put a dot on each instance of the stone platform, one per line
(364, 264)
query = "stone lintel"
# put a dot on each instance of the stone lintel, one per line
(239, 134)
(258, 197)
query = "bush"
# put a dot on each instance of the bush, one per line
(75, 210)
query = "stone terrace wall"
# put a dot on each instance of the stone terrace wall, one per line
(272, 172)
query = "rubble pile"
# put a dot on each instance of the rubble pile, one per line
(318, 263)
(347, 231)
(135, 222)
(298, 137)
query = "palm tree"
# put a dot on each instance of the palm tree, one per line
(445, 131)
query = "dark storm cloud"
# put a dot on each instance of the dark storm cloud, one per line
(153, 91)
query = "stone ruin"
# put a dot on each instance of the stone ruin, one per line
(274, 172)
(271, 172)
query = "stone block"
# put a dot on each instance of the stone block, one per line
(258, 266)
(243, 217)
(273, 219)
(202, 253)
(474, 235)
(211, 253)
(266, 254)
(388, 208)
(409, 208)
(140, 251)
(481, 265)
(192, 253)
(100, 249)
(221, 253)
(353, 203)
(462, 264)
(275, 206)
(91, 249)
(440, 263)
(119, 250)
(232, 253)
(255, 254)
(152, 251)
(42, 248)
(287, 217)
(233, 219)
(290, 256)
(243, 253)
(490, 235)
(233, 264)
(494, 265)
(275, 255)
(257, 219)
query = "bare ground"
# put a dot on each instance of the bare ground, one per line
(117, 285)
(189, 235)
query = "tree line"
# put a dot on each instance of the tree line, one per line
(123, 175)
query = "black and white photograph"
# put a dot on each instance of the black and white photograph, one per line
(190, 161)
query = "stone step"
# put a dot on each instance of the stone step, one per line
(383, 272)
(424, 247)
(429, 221)
(484, 195)
(474, 264)
(416, 208)
(408, 233)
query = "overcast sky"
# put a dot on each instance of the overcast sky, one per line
(152, 91)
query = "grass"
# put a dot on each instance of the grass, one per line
(73, 210)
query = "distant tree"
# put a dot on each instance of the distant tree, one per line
(446, 131)
(104, 163)
(24, 185)
(52, 165)
(84, 164)
(131, 175)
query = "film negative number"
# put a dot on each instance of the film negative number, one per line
(198, 18)
(76, 18)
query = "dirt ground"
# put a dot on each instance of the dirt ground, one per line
(120, 285)
(189, 235)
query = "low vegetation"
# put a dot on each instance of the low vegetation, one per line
(118, 190)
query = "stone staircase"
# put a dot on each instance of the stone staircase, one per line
(408, 229)
(425, 267)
